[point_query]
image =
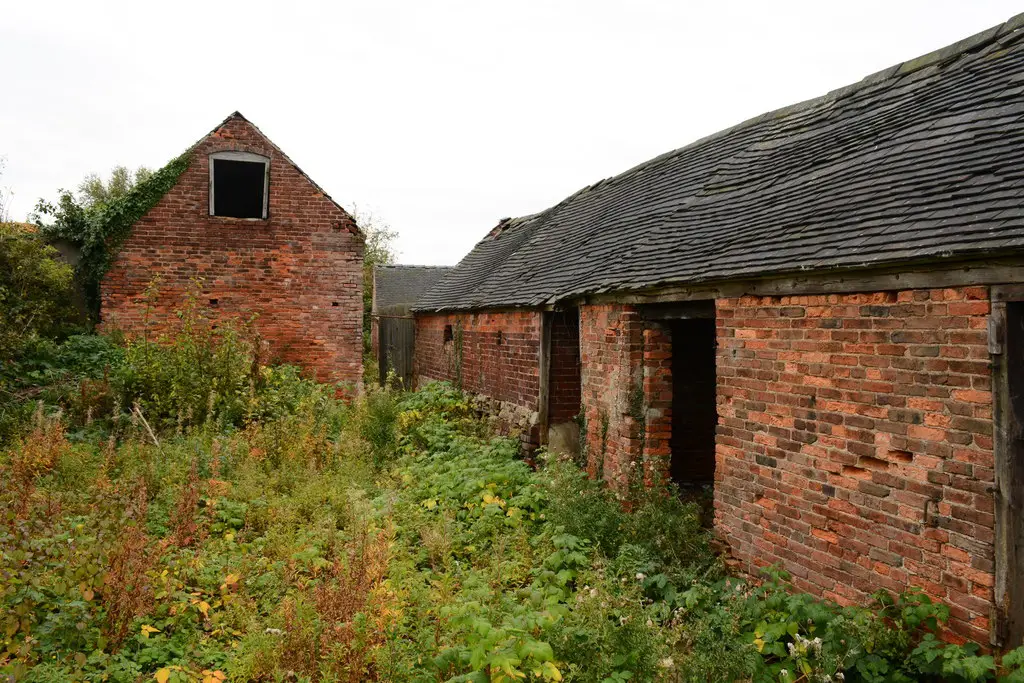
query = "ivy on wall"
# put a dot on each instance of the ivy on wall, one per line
(100, 233)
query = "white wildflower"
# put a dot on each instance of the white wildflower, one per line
(640, 576)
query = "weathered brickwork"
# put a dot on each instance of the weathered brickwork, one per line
(855, 444)
(493, 355)
(657, 399)
(627, 392)
(300, 270)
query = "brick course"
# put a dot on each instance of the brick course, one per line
(300, 270)
(499, 362)
(627, 392)
(854, 444)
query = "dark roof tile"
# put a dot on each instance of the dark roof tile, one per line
(400, 285)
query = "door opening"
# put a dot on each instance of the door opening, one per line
(564, 382)
(694, 413)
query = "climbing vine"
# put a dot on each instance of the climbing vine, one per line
(101, 232)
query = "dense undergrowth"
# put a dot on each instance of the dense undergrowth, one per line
(177, 511)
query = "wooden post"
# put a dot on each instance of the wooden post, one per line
(1002, 489)
(545, 376)
(1006, 346)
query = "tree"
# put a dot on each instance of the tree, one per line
(380, 249)
(94, 193)
(100, 217)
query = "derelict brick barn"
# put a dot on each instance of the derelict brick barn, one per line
(259, 237)
(820, 310)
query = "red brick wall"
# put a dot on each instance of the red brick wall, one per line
(855, 444)
(627, 392)
(564, 390)
(299, 270)
(657, 399)
(611, 350)
(500, 361)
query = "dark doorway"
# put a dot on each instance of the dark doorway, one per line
(564, 390)
(694, 413)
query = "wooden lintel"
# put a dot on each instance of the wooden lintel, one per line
(989, 272)
(679, 310)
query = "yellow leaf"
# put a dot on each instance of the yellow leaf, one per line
(146, 630)
(231, 579)
(162, 675)
(204, 607)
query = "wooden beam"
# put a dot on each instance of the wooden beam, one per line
(681, 310)
(936, 276)
(1006, 334)
(545, 377)
(1002, 487)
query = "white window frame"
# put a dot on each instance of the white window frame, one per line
(250, 157)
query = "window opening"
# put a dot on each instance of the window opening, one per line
(238, 185)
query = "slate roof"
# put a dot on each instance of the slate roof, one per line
(923, 161)
(396, 287)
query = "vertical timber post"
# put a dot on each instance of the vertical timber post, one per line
(1002, 490)
(544, 384)
(1006, 347)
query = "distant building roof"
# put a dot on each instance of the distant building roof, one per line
(396, 287)
(919, 162)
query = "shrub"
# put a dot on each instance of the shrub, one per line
(378, 422)
(35, 287)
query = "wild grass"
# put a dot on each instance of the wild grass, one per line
(275, 533)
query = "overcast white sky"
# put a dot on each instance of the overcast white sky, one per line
(439, 117)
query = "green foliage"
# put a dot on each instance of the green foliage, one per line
(378, 423)
(393, 539)
(94, 193)
(101, 224)
(35, 286)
